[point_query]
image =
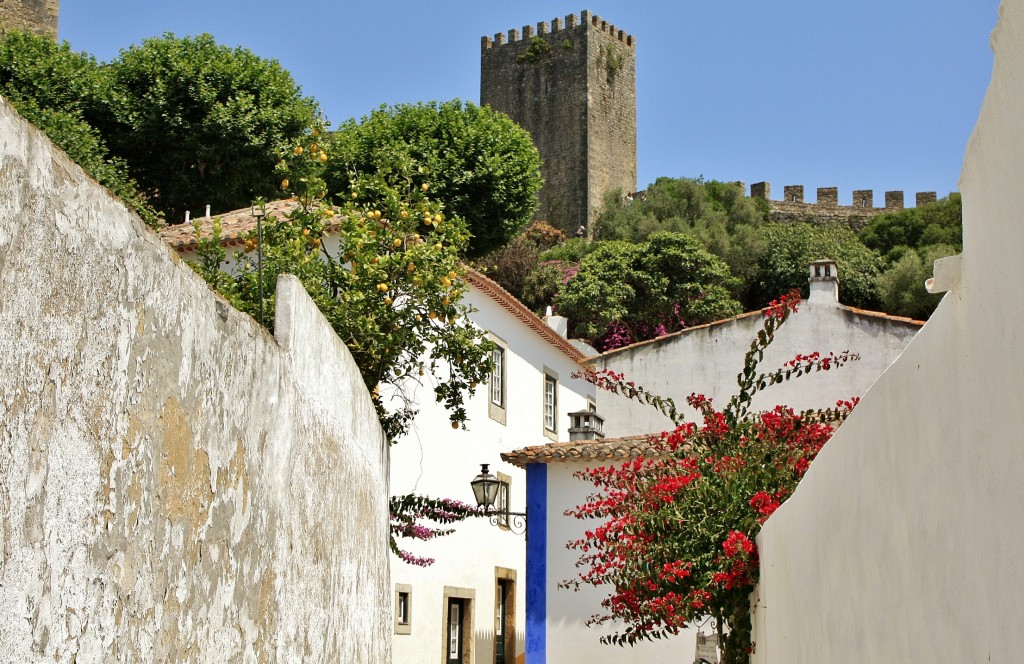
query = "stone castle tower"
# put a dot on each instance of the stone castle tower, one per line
(38, 16)
(573, 87)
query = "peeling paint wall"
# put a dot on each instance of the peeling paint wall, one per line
(175, 483)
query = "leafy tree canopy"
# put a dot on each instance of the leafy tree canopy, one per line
(637, 291)
(901, 286)
(787, 250)
(200, 123)
(930, 224)
(66, 94)
(701, 208)
(392, 290)
(478, 163)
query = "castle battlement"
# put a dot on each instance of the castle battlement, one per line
(793, 207)
(572, 84)
(862, 199)
(571, 22)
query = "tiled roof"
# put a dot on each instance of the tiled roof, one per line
(236, 224)
(508, 302)
(606, 449)
(688, 330)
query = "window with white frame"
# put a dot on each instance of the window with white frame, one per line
(498, 377)
(497, 397)
(502, 502)
(550, 403)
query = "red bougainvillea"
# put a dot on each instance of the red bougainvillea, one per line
(674, 543)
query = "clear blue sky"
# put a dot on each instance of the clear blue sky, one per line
(872, 94)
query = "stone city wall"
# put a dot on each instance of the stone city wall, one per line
(827, 209)
(176, 484)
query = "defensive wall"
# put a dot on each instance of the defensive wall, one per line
(827, 209)
(572, 86)
(176, 484)
(38, 16)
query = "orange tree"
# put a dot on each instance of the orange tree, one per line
(392, 291)
(392, 288)
(676, 540)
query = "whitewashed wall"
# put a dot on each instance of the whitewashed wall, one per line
(708, 358)
(569, 640)
(440, 462)
(175, 484)
(903, 543)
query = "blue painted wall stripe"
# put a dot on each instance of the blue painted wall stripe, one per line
(536, 563)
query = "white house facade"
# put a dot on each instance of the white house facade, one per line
(707, 358)
(469, 606)
(903, 542)
(703, 359)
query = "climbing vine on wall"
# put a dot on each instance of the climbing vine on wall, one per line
(675, 543)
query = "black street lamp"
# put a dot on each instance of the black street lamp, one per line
(486, 489)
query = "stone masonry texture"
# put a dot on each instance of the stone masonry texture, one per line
(38, 16)
(827, 208)
(572, 86)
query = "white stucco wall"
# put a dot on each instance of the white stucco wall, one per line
(440, 462)
(903, 542)
(175, 483)
(707, 360)
(569, 640)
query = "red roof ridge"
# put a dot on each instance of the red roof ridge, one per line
(602, 449)
(234, 224)
(509, 302)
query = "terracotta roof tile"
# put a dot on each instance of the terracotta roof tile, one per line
(607, 449)
(508, 302)
(235, 224)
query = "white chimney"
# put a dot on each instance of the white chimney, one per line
(824, 280)
(559, 324)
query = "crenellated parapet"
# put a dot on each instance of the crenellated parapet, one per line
(557, 25)
(861, 209)
(571, 83)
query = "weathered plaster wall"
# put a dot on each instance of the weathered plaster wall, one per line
(707, 359)
(175, 484)
(903, 542)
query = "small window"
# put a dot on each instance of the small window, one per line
(403, 608)
(498, 377)
(502, 503)
(497, 393)
(550, 404)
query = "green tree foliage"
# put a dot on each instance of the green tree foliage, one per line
(901, 286)
(516, 266)
(200, 123)
(478, 163)
(788, 249)
(66, 94)
(640, 290)
(709, 210)
(392, 291)
(930, 224)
